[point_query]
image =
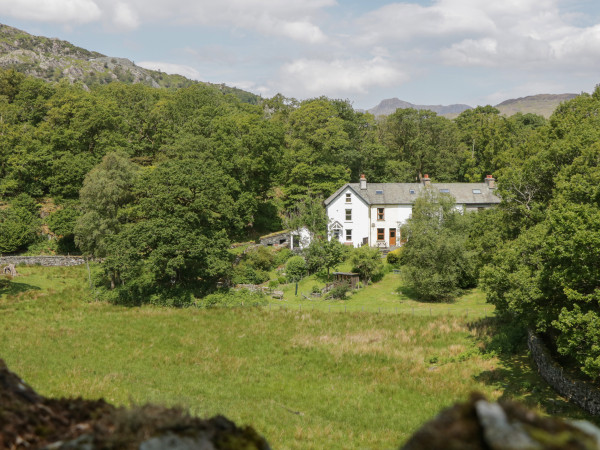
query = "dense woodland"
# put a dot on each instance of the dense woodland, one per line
(161, 182)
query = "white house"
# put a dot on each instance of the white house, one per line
(372, 213)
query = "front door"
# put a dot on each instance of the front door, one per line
(392, 237)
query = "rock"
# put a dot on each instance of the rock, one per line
(29, 420)
(481, 425)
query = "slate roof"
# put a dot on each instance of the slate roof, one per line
(399, 193)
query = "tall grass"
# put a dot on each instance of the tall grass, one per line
(304, 379)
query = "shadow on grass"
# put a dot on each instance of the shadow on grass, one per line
(411, 294)
(18, 288)
(516, 375)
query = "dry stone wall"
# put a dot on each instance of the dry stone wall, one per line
(581, 393)
(63, 261)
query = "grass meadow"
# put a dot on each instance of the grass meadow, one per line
(303, 378)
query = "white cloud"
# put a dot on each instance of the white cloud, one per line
(310, 77)
(302, 31)
(125, 17)
(170, 68)
(293, 19)
(475, 33)
(55, 11)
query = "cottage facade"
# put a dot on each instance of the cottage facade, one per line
(372, 213)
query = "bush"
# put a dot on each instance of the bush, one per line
(273, 284)
(281, 256)
(260, 258)
(295, 268)
(315, 289)
(366, 261)
(243, 297)
(394, 258)
(339, 290)
(244, 273)
(281, 280)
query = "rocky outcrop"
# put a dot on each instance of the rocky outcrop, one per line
(481, 425)
(28, 420)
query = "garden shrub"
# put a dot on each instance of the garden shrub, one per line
(260, 258)
(394, 258)
(244, 273)
(281, 256)
(340, 290)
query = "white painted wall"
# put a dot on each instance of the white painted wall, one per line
(336, 211)
(304, 238)
(394, 217)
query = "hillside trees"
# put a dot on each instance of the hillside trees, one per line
(420, 142)
(546, 278)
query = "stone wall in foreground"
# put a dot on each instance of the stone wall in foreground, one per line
(581, 393)
(64, 261)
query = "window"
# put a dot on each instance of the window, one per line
(445, 191)
(476, 191)
(336, 230)
(348, 215)
(348, 198)
(412, 191)
(380, 234)
(380, 213)
(379, 192)
(348, 235)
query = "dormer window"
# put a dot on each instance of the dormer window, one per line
(476, 191)
(348, 197)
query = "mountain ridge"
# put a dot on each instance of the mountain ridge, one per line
(542, 104)
(53, 59)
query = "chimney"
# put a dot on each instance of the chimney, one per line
(491, 183)
(426, 180)
(363, 181)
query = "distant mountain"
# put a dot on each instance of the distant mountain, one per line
(542, 104)
(52, 59)
(387, 107)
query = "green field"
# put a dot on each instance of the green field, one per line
(302, 378)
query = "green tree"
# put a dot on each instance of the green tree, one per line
(175, 241)
(437, 263)
(19, 224)
(420, 142)
(106, 190)
(367, 262)
(295, 269)
(324, 254)
(310, 213)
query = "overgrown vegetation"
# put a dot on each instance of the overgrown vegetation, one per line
(303, 379)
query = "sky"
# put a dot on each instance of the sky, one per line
(430, 52)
